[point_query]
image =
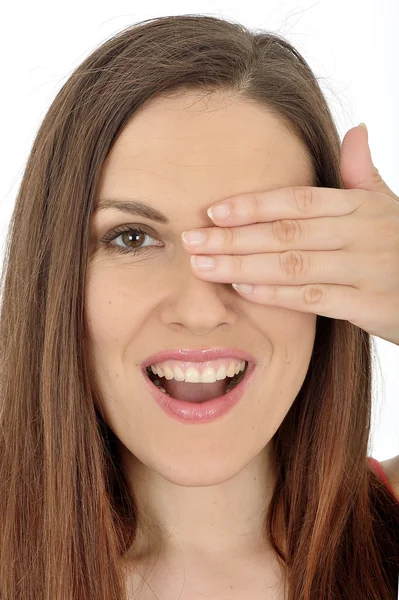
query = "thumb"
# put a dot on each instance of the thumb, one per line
(356, 165)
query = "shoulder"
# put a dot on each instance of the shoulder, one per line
(391, 470)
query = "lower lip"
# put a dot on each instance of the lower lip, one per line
(200, 412)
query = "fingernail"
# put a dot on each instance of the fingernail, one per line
(194, 238)
(244, 288)
(202, 262)
(363, 125)
(220, 211)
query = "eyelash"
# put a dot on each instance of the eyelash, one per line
(116, 232)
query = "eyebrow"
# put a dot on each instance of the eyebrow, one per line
(132, 206)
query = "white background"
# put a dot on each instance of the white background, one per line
(351, 46)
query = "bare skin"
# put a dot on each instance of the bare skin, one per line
(203, 487)
(251, 578)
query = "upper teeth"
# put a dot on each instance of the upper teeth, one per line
(191, 374)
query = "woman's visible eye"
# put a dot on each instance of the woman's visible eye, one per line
(135, 238)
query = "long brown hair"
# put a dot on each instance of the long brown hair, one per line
(66, 515)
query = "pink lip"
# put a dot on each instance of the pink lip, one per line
(187, 355)
(200, 412)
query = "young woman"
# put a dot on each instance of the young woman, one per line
(164, 434)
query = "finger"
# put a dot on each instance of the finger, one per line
(289, 203)
(331, 233)
(293, 267)
(334, 301)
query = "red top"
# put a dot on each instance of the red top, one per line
(380, 471)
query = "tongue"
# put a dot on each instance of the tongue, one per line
(195, 392)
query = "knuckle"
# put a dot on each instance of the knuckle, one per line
(238, 265)
(304, 199)
(384, 262)
(313, 294)
(256, 205)
(248, 207)
(389, 229)
(292, 263)
(286, 231)
(231, 236)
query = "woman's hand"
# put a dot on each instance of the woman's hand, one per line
(327, 251)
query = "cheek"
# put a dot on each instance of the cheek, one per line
(290, 337)
(115, 314)
(294, 340)
(116, 306)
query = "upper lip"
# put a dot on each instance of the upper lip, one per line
(198, 355)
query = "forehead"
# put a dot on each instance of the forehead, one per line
(217, 142)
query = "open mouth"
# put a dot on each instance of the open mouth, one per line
(205, 391)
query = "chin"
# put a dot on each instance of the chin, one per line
(198, 472)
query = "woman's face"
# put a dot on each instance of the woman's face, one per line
(181, 155)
